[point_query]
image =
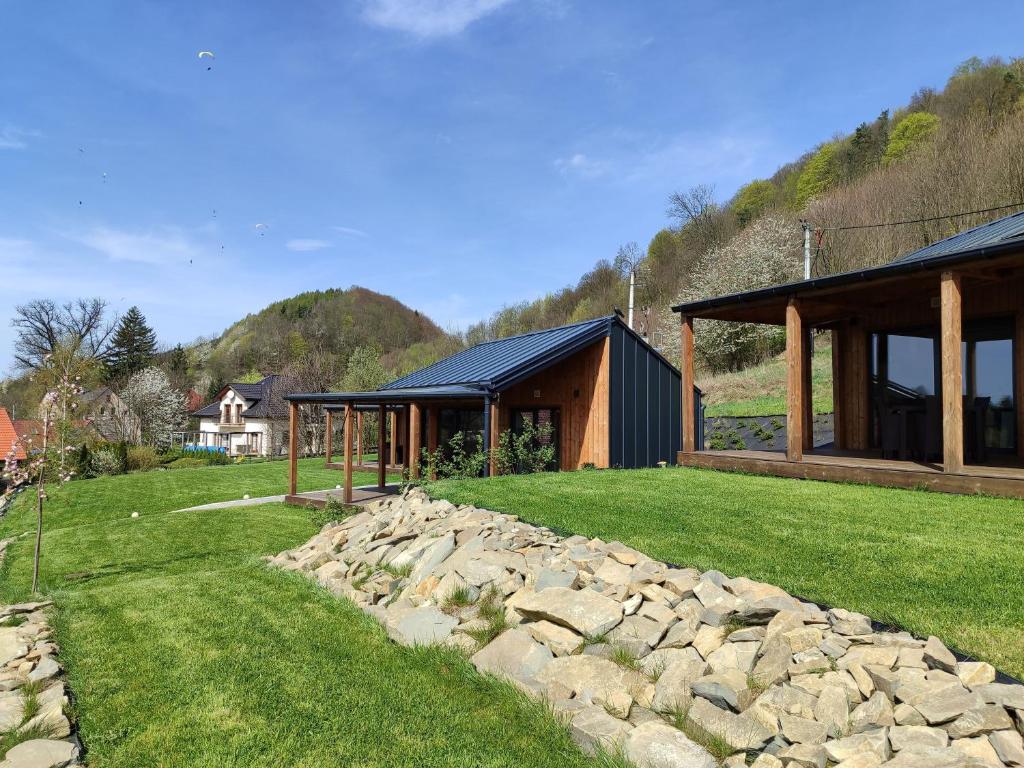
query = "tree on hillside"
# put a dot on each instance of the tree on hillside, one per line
(132, 347)
(155, 408)
(177, 367)
(364, 371)
(821, 173)
(699, 217)
(752, 200)
(909, 135)
(42, 324)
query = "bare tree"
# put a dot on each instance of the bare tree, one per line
(42, 325)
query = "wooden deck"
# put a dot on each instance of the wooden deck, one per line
(846, 467)
(360, 496)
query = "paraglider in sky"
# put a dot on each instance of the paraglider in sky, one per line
(261, 229)
(206, 55)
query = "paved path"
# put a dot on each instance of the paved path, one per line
(259, 500)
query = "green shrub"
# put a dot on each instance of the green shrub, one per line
(463, 457)
(532, 450)
(142, 458)
(912, 132)
(187, 462)
(105, 461)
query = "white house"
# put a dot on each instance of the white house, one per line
(246, 419)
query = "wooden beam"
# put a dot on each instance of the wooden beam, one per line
(1018, 380)
(838, 386)
(950, 303)
(329, 439)
(348, 452)
(795, 360)
(415, 439)
(432, 431)
(382, 458)
(492, 442)
(688, 420)
(293, 448)
(393, 447)
(808, 395)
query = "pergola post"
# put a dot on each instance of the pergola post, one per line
(808, 395)
(359, 438)
(329, 438)
(796, 340)
(415, 438)
(688, 414)
(392, 458)
(382, 459)
(952, 373)
(348, 453)
(432, 431)
(1018, 379)
(293, 448)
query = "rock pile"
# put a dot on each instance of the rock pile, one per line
(675, 668)
(32, 693)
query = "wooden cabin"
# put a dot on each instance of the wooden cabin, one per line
(610, 398)
(928, 368)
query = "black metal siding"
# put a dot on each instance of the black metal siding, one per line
(644, 424)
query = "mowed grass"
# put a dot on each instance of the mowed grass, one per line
(952, 566)
(184, 649)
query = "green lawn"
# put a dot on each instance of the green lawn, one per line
(183, 649)
(933, 563)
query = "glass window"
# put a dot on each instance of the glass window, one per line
(911, 363)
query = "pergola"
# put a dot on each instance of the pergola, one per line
(406, 407)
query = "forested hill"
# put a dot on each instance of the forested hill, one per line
(318, 331)
(944, 152)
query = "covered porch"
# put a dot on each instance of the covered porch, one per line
(928, 371)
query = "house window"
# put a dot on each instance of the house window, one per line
(238, 413)
(226, 418)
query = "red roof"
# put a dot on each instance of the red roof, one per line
(8, 436)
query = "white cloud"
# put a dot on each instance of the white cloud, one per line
(303, 244)
(165, 246)
(581, 165)
(14, 138)
(350, 231)
(428, 18)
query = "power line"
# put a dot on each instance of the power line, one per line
(920, 221)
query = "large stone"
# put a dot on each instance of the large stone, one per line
(833, 709)
(432, 557)
(423, 626)
(12, 646)
(803, 731)
(513, 654)
(548, 578)
(980, 748)
(741, 732)
(873, 713)
(561, 641)
(974, 673)
(600, 680)
(613, 572)
(947, 704)
(708, 639)
(638, 634)
(978, 721)
(722, 688)
(672, 690)
(938, 656)
(583, 611)
(658, 745)
(773, 666)
(874, 743)
(803, 756)
(1009, 746)
(917, 737)
(1005, 695)
(733, 656)
(11, 707)
(41, 753)
(593, 729)
(658, 661)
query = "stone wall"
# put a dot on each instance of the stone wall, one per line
(33, 696)
(675, 668)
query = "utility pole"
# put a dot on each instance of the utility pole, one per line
(632, 285)
(807, 248)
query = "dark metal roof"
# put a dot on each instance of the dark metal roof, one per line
(1007, 228)
(976, 248)
(500, 363)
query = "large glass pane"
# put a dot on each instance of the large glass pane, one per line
(992, 382)
(911, 362)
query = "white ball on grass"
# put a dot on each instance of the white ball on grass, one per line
(246, 496)
(337, 487)
(135, 514)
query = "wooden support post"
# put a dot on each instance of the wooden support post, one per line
(795, 359)
(689, 420)
(329, 439)
(1018, 379)
(393, 447)
(838, 387)
(293, 448)
(952, 374)
(808, 395)
(432, 431)
(415, 439)
(492, 440)
(382, 458)
(359, 438)
(348, 452)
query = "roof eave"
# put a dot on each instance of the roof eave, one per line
(851, 278)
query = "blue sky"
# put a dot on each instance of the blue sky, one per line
(459, 155)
